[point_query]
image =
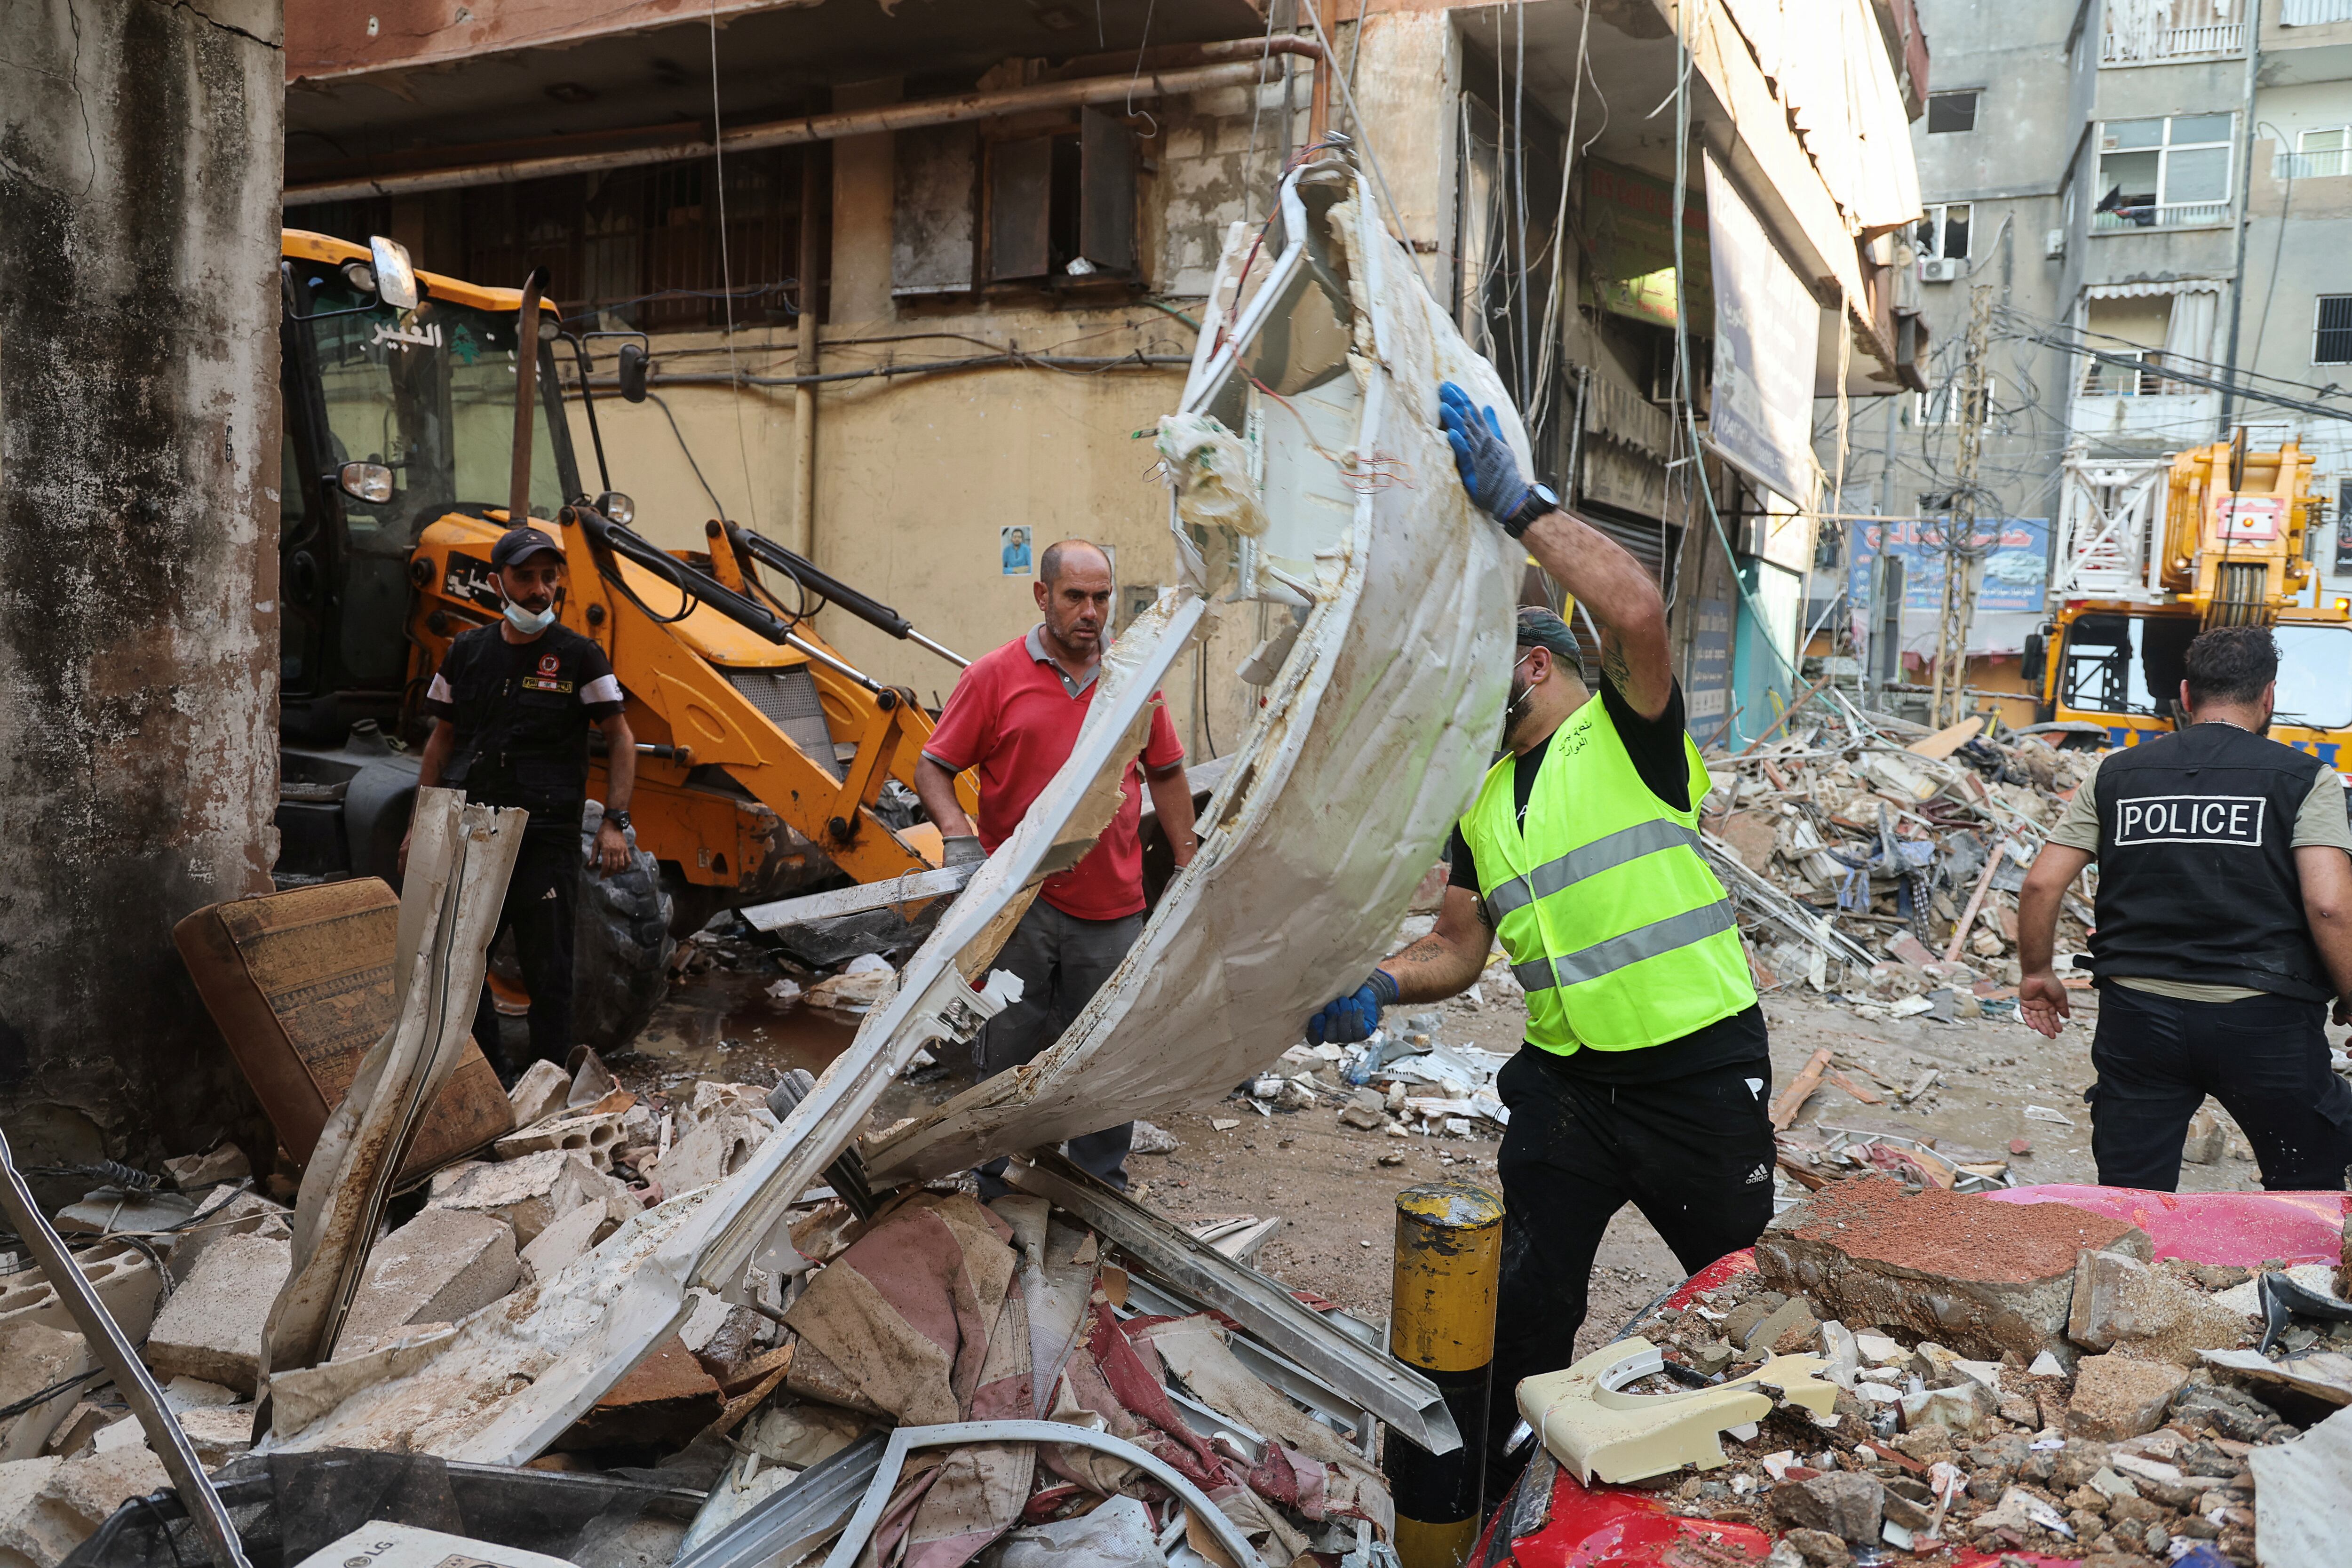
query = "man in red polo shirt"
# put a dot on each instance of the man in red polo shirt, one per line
(1014, 715)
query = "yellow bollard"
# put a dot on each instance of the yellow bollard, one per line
(1449, 1243)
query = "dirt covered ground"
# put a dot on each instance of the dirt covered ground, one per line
(1336, 1196)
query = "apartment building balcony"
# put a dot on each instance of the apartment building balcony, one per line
(2150, 32)
(2145, 217)
(2313, 165)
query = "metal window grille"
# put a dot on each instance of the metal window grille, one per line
(2331, 338)
(642, 246)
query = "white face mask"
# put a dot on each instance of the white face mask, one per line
(530, 623)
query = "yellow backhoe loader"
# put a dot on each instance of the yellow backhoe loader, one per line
(420, 415)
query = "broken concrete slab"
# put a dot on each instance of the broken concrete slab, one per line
(721, 1142)
(440, 1266)
(192, 1172)
(49, 1506)
(1843, 1503)
(595, 1138)
(2300, 1488)
(194, 1394)
(2324, 1374)
(2117, 1396)
(33, 1356)
(543, 1089)
(220, 1432)
(210, 1328)
(1963, 1409)
(530, 1194)
(567, 1238)
(2207, 1139)
(125, 1278)
(226, 1213)
(1980, 1276)
(1786, 1329)
(2123, 1305)
(111, 1211)
(75, 1432)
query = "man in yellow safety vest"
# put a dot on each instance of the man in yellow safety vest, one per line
(1646, 1072)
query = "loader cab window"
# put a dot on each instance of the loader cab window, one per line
(2314, 677)
(431, 396)
(2125, 664)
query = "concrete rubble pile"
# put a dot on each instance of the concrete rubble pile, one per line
(919, 1309)
(1930, 1371)
(1878, 864)
(1405, 1083)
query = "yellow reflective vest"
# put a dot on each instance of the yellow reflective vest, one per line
(1612, 919)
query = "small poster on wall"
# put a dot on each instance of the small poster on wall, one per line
(1707, 705)
(1013, 544)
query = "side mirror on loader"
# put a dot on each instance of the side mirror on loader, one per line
(365, 481)
(395, 276)
(635, 363)
(2031, 666)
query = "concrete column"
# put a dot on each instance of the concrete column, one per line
(139, 467)
(1408, 86)
(864, 178)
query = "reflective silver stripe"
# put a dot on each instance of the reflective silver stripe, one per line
(1644, 942)
(1588, 860)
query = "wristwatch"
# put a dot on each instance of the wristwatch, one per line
(619, 819)
(1538, 501)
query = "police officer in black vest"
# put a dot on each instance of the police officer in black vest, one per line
(511, 706)
(2224, 927)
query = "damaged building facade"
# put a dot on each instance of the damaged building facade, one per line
(2117, 179)
(1003, 225)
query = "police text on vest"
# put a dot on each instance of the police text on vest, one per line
(2190, 819)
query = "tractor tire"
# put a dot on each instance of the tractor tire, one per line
(621, 946)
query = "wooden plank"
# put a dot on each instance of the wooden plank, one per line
(815, 907)
(1975, 902)
(1947, 741)
(1801, 1088)
(1839, 1080)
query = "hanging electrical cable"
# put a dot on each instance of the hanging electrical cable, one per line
(727, 282)
(1553, 326)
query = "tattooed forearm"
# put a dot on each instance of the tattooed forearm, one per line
(1613, 660)
(1427, 948)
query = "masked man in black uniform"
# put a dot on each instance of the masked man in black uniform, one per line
(511, 706)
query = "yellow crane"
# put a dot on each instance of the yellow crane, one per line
(2233, 547)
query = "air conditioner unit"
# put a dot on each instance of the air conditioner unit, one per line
(1942, 269)
(2053, 244)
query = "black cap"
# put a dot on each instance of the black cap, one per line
(520, 544)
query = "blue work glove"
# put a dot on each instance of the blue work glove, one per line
(1348, 1019)
(1489, 471)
